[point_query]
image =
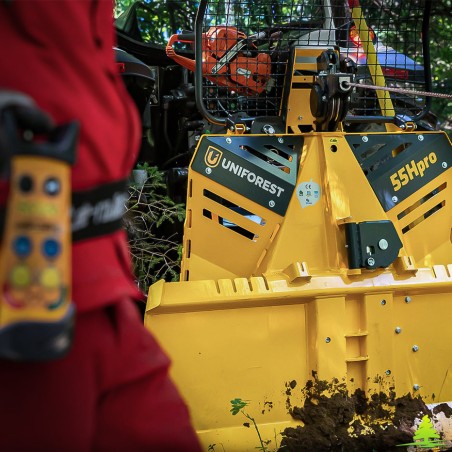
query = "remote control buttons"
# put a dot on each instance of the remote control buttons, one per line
(50, 278)
(52, 186)
(26, 183)
(22, 246)
(51, 248)
(20, 276)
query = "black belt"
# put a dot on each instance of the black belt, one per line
(95, 212)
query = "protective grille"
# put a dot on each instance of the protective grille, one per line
(247, 48)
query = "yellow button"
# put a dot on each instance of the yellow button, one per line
(50, 278)
(20, 276)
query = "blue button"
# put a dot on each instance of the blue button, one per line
(22, 246)
(52, 186)
(51, 248)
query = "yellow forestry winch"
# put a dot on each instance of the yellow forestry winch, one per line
(318, 234)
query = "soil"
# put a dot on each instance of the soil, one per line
(335, 420)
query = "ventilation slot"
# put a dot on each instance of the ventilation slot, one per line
(236, 212)
(373, 155)
(403, 147)
(423, 217)
(421, 201)
(371, 151)
(276, 159)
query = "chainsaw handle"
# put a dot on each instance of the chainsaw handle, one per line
(186, 36)
(171, 53)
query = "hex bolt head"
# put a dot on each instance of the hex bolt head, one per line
(415, 348)
(388, 372)
(444, 164)
(407, 299)
(416, 387)
(383, 244)
(328, 340)
(420, 137)
(383, 302)
(228, 140)
(395, 199)
(365, 139)
(370, 261)
(398, 330)
(280, 140)
(300, 118)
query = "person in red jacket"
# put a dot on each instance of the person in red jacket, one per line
(112, 391)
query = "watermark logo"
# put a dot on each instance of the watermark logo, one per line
(426, 437)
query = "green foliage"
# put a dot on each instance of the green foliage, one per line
(159, 19)
(149, 221)
(237, 405)
(441, 55)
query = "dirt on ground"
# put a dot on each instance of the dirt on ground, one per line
(336, 420)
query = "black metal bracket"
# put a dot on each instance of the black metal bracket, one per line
(372, 244)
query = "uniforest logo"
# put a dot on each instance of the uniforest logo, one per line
(212, 157)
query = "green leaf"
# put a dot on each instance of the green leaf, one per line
(237, 405)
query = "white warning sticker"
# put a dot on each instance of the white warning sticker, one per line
(308, 193)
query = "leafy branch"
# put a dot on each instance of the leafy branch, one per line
(237, 407)
(151, 221)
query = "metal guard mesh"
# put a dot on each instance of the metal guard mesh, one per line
(273, 27)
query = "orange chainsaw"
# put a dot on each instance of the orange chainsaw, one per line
(228, 59)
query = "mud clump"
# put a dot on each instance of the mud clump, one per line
(335, 420)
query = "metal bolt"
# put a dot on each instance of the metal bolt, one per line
(395, 199)
(388, 372)
(271, 203)
(268, 129)
(328, 340)
(383, 302)
(407, 299)
(398, 330)
(370, 261)
(416, 387)
(300, 118)
(365, 139)
(228, 140)
(324, 98)
(444, 164)
(420, 137)
(280, 140)
(383, 244)
(231, 128)
(415, 348)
